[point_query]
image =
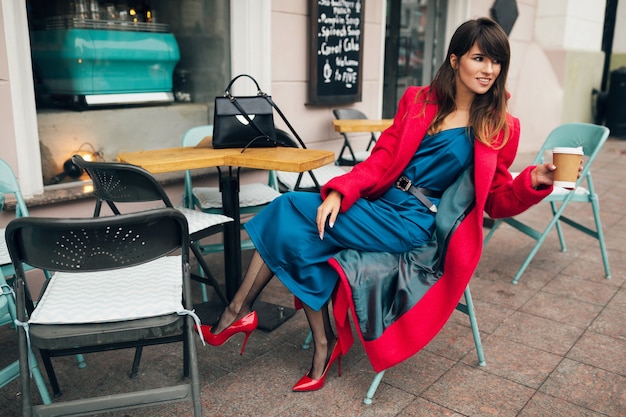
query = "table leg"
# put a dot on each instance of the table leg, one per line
(229, 185)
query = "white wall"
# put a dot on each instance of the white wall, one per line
(619, 40)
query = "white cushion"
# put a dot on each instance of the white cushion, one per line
(560, 191)
(322, 174)
(198, 220)
(147, 290)
(250, 195)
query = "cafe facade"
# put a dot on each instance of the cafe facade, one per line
(117, 76)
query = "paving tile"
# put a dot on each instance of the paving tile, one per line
(519, 363)
(416, 374)
(453, 341)
(588, 264)
(618, 302)
(610, 322)
(474, 392)
(424, 408)
(546, 405)
(562, 309)
(539, 333)
(601, 351)
(489, 316)
(597, 292)
(596, 389)
(501, 292)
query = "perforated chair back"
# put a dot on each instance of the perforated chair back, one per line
(121, 183)
(93, 244)
(591, 138)
(347, 155)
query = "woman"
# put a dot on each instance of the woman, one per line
(437, 133)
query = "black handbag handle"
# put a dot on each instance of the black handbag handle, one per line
(251, 121)
(227, 91)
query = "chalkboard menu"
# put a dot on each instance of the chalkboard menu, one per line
(336, 51)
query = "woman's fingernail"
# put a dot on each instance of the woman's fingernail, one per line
(321, 236)
(331, 225)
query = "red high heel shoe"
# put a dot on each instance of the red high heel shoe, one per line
(306, 383)
(246, 324)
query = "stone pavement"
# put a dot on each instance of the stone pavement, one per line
(555, 344)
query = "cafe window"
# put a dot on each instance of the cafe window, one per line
(116, 66)
(414, 46)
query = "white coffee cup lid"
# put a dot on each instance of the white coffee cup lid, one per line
(576, 151)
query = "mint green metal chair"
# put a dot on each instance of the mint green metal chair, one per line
(9, 185)
(12, 371)
(591, 138)
(252, 197)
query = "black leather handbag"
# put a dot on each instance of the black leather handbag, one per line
(246, 122)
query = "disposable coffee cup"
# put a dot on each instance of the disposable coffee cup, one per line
(567, 162)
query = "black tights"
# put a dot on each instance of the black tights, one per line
(256, 278)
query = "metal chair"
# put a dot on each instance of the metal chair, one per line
(591, 138)
(352, 157)
(116, 183)
(301, 181)
(83, 308)
(252, 197)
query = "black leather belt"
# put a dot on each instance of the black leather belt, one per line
(420, 193)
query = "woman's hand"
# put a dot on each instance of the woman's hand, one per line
(544, 174)
(328, 211)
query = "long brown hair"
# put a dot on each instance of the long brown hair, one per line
(488, 111)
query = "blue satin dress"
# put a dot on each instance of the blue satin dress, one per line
(285, 232)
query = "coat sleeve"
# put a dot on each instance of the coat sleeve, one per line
(366, 175)
(511, 196)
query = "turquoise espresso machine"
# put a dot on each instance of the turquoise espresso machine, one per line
(97, 62)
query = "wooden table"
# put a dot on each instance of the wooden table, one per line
(181, 159)
(361, 125)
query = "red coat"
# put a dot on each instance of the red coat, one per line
(496, 193)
